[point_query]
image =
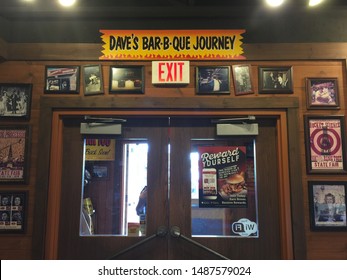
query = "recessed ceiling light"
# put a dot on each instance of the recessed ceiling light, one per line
(67, 3)
(274, 3)
(314, 2)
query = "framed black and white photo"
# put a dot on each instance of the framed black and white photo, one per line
(322, 93)
(15, 101)
(213, 80)
(92, 79)
(62, 79)
(13, 205)
(126, 79)
(327, 200)
(14, 157)
(276, 79)
(242, 79)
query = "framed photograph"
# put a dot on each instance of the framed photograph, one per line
(126, 79)
(98, 170)
(92, 79)
(242, 75)
(276, 79)
(327, 200)
(62, 79)
(12, 211)
(322, 93)
(325, 144)
(14, 158)
(213, 80)
(15, 101)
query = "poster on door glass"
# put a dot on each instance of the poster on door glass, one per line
(222, 180)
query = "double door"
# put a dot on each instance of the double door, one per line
(164, 153)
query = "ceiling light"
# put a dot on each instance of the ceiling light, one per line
(314, 2)
(67, 3)
(274, 3)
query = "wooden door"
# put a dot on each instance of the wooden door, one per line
(171, 142)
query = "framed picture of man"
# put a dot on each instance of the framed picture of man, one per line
(213, 80)
(327, 201)
(242, 79)
(92, 79)
(276, 79)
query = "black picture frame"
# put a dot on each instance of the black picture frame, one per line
(92, 77)
(13, 208)
(62, 79)
(325, 144)
(14, 154)
(275, 79)
(322, 93)
(213, 80)
(242, 76)
(127, 79)
(15, 101)
(327, 203)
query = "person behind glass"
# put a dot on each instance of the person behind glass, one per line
(142, 203)
(328, 212)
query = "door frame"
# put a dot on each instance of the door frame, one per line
(53, 110)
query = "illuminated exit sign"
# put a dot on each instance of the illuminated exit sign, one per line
(170, 72)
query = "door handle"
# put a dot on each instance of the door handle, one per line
(161, 232)
(175, 232)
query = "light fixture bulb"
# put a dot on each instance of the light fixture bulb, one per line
(314, 2)
(67, 3)
(274, 3)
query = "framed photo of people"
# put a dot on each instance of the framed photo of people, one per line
(325, 144)
(242, 75)
(62, 79)
(327, 201)
(322, 93)
(92, 79)
(126, 79)
(14, 154)
(15, 101)
(13, 207)
(276, 79)
(213, 80)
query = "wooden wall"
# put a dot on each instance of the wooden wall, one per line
(27, 65)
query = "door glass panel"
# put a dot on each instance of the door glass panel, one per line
(223, 188)
(114, 197)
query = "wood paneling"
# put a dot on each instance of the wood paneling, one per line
(26, 63)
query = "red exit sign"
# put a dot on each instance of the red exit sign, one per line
(170, 72)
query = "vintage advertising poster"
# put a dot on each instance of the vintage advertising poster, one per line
(100, 149)
(13, 143)
(326, 144)
(222, 180)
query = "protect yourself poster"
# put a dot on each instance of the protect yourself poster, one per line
(222, 180)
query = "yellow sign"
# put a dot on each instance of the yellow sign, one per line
(100, 149)
(172, 44)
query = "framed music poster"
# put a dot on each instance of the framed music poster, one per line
(325, 144)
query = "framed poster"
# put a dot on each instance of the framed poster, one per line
(276, 79)
(327, 200)
(325, 144)
(15, 101)
(213, 80)
(12, 211)
(126, 79)
(322, 93)
(62, 79)
(242, 75)
(14, 158)
(92, 79)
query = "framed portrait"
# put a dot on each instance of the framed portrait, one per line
(92, 79)
(14, 158)
(15, 101)
(126, 79)
(242, 75)
(276, 79)
(322, 93)
(213, 80)
(325, 144)
(327, 201)
(13, 207)
(62, 79)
